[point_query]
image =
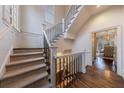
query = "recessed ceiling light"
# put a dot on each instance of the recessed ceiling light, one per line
(98, 6)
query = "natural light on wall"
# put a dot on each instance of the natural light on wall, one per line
(59, 54)
(98, 6)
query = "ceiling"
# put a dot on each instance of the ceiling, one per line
(86, 12)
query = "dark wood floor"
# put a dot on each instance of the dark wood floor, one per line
(101, 75)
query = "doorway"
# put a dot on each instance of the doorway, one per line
(106, 49)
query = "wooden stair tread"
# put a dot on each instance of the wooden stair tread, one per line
(24, 54)
(24, 61)
(27, 48)
(28, 80)
(46, 85)
(21, 71)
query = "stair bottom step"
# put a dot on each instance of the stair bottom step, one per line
(27, 81)
(17, 72)
(42, 83)
(26, 50)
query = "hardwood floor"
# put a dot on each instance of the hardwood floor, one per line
(101, 75)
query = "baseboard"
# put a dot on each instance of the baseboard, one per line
(6, 60)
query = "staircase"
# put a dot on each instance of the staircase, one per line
(27, 68)
(59, 30)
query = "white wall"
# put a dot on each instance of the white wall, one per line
(27, 40)
(31, 27)
(62, 45)
(59, 13)
(109, 18)
(5, 43)
(32, 18)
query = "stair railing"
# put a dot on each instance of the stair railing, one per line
(71, 14)
(53, 32)
(57, 30)
(50, 54)
(68, 68)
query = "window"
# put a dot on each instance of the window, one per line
(11, 16)
(15, 17)
(7, 17)
(49, 15)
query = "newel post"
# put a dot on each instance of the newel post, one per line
(53, 66)
(83, 68)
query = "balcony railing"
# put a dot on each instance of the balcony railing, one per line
(68, 68)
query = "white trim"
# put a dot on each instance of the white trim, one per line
(7, 23)
(6, 60)
(15, 17)
(119, 51)
(47, 39)
(119, 47)
(4, 20)
(83, 67)
(4, 31)
(15, 29)
(30, 33)
(68, 11)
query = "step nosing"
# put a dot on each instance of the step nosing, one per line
(28, 48)
(25, 82)
(24, 61)
(26, 71)
(43, 76)
(23, 54)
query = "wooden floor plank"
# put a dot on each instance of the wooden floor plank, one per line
(101, 75)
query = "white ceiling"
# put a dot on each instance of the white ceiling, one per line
(87, 12)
